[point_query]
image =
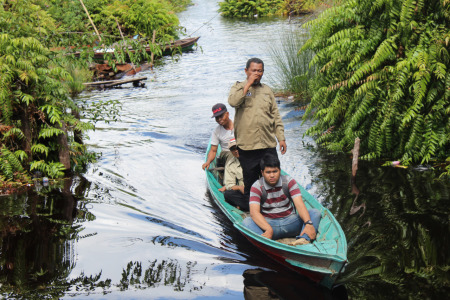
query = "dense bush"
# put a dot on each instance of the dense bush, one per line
(38, 128)
(139, 17)
(136, 17)
(383, 77)
(262, 8)
(250, 9)
(26, 18)
(298, 7)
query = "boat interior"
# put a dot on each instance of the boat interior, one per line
(328, 238)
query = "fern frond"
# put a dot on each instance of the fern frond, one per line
(14, 132)
(9, 163)
(40, 149)
(21, 155)
(49, 132)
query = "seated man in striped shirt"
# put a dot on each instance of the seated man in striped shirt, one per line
(272, 211)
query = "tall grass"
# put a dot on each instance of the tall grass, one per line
(293, 72)
(80, 73)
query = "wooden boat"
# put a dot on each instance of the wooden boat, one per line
(183, 44)
(322, 261)
(112, 83)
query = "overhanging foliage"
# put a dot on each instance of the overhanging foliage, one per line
(38, 128)
(383, 77)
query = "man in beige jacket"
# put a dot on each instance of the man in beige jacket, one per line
(257, 122)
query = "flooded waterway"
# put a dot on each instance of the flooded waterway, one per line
(140, 224)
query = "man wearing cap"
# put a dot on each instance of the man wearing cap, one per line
(221, 135)
(234, 181)
(258, 123)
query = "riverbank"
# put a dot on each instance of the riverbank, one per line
(140, 222)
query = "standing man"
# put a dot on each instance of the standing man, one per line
(221, 135)
(258, 123)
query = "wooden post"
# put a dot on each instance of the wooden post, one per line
(64, 156)
(355, 152)
(95, 28)
(355, 208)
(120, 30)
(153, 42)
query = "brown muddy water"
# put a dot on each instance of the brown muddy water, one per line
(139, 224)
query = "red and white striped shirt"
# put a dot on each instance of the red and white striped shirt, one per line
(277, 204)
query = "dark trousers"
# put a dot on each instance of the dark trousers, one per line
(251, 170)
(236, 198)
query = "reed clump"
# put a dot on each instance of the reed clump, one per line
(80, 72)
(292, 73)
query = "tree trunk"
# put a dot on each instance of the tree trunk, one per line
(64, 156)
(77, 134)
(26, 129)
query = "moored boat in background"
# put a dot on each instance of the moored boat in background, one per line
(183, 45)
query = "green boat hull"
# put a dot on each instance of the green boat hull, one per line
(321, 261)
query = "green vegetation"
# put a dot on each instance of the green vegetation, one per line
(27, 19)
(299, 7)
(293, 73)
(40, 127)
(266, 8)
(383, 77)
(79, 72)
(135, 17)
(250, 9)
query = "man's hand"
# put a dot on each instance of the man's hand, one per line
(268, 233)
(241, 188)
(222, 189)
(310, 231)
(283, 147)
(253, 78)
(205, 165)
(238, 188)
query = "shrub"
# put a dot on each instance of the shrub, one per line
(383, 77)
(36, 114)
(26, 18)
(139, 17)
(249, 9)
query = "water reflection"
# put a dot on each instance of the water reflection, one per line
(264, 285)
(142, 221)
(39, 229)
(396, 223)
